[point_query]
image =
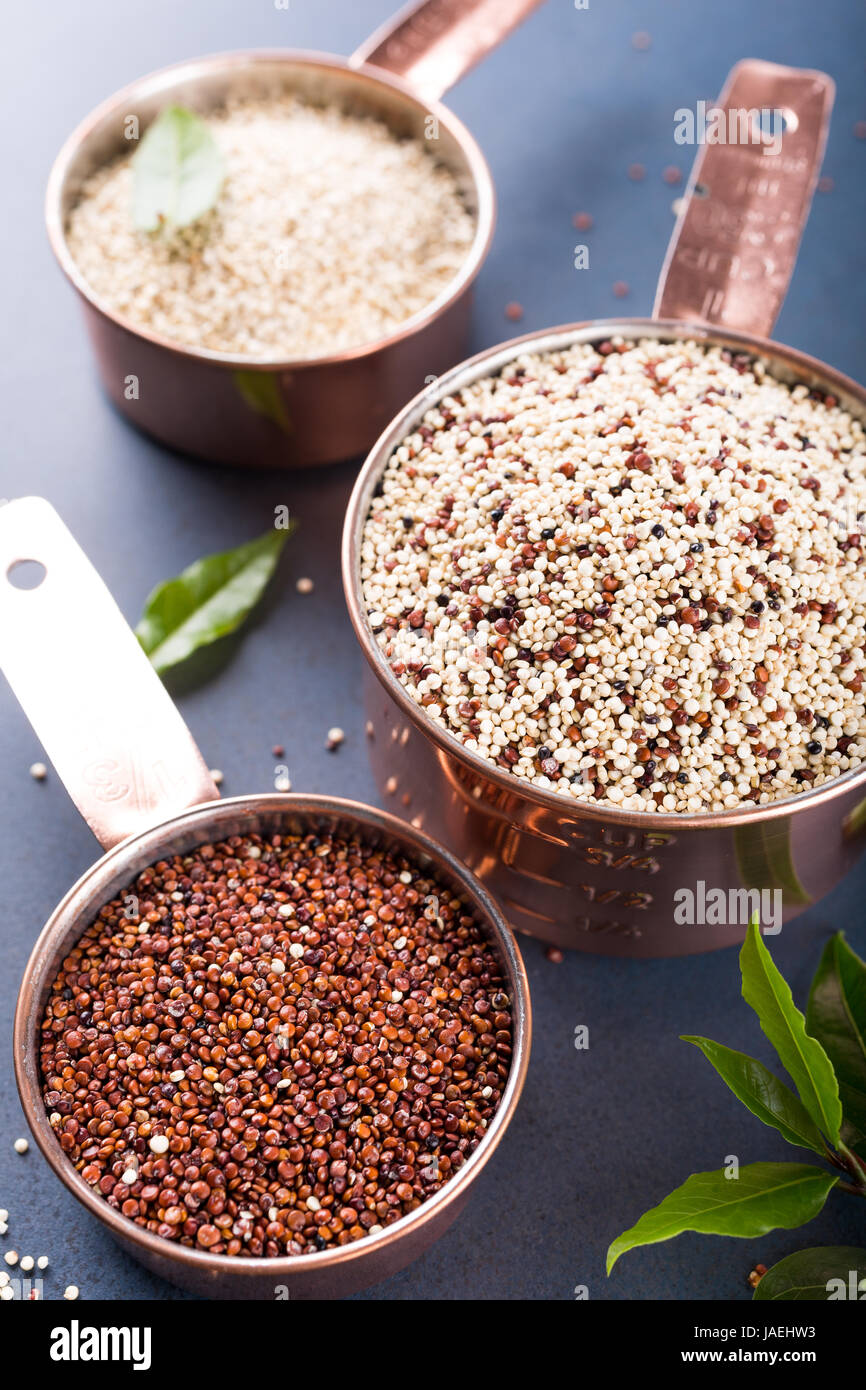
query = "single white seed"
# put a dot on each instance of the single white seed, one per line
(158, 1144)
(71, 1292)
(38, 771)
(42, 1262)
(27, 1263)
(305, 586)
(335, 738)
(11, 1257)
(21, 1146)
(216, 774)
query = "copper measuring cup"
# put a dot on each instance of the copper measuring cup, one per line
(131, 767)
(281, 413)
(586, 875)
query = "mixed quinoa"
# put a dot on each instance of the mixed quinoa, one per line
(273, 1046)
(631, 572)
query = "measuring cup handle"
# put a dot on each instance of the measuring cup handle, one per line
(735, 243)
(104, 717)
(432, 44)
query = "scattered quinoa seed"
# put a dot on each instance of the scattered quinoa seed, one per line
(42, 1262)
(27, 1263)
(305, 586)
(11, 1257)
(554, 955)
(583, 221)
(21, 1146)
(335, 738)
(71, 1292)
(514, 311)
(38, 771)
(636, 172)
(620, 289)
(217, 776)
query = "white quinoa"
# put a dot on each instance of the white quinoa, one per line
(632, 573)
(328, 234)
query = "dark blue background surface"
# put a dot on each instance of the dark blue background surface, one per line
(561, 110)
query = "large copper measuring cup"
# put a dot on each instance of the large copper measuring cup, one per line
(131, 767)
(586, 875)
(281, 413)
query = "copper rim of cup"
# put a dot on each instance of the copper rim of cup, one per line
(66, 924)
(212, 66)
(790, 365)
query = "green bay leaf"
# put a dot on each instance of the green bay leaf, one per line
(208, 600)
(763, 1197)
(763, 1093)
(805, 1275)
(177, 171)
(836, 1016)
(802, 1056)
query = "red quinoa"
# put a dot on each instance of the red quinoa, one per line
(275, 1045)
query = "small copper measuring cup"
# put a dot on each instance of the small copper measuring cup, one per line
(282, 413)
(586, 875)
(131, 767)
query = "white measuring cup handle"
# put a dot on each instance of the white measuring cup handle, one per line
(432, 44)
(733, 249)
(101, 712)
